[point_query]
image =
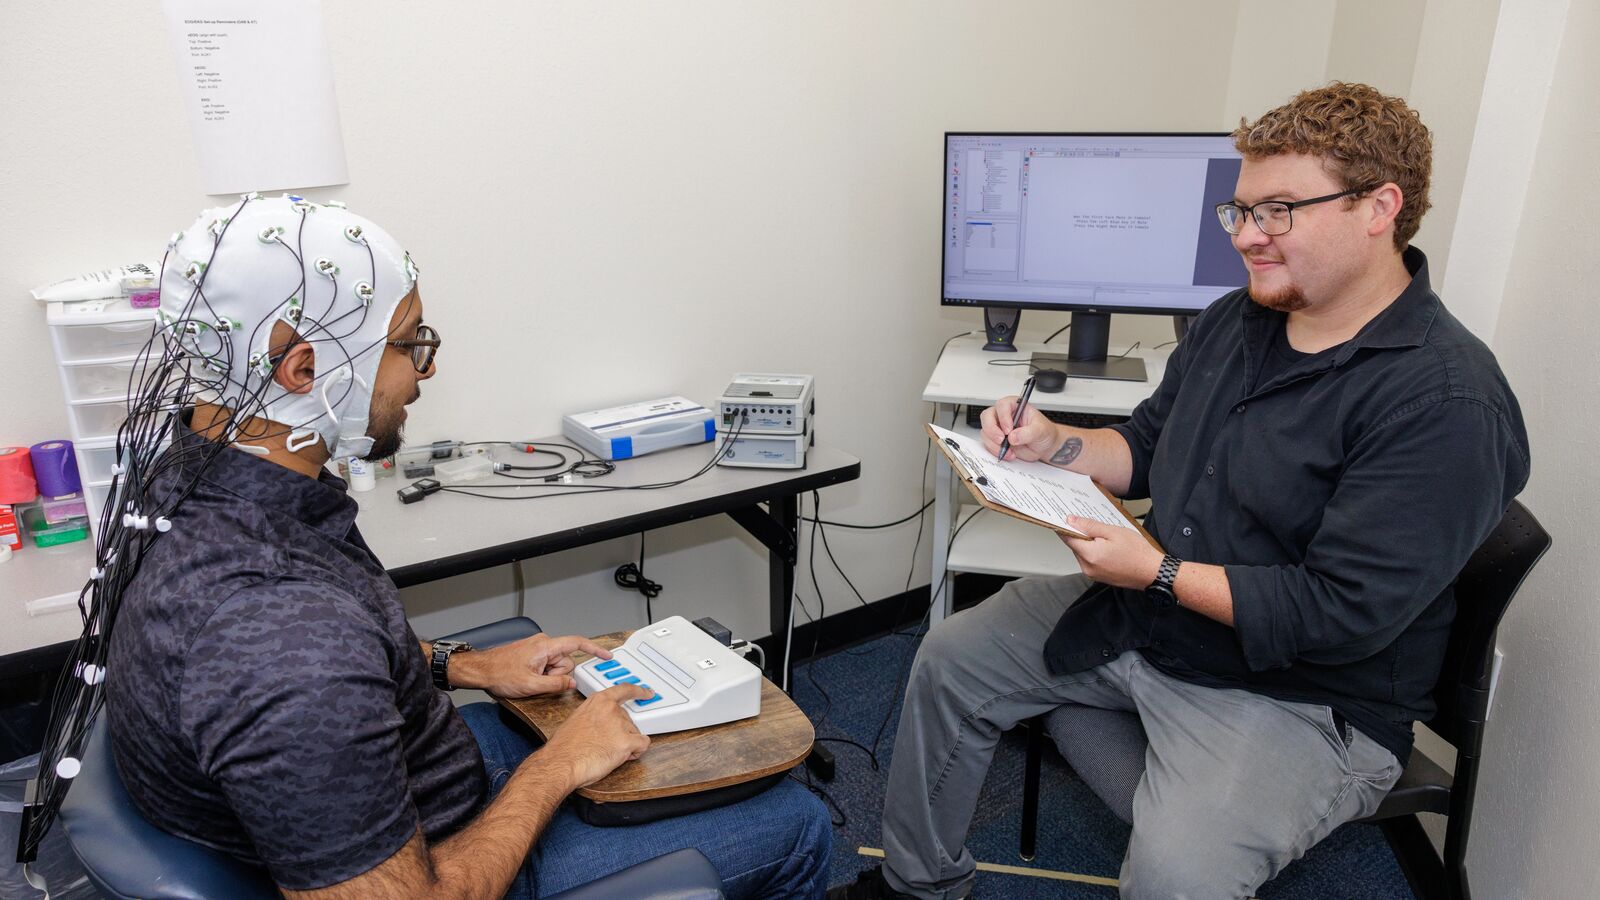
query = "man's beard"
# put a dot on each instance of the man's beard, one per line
(387, 431)
(1287, 300)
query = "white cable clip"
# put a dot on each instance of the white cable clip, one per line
(269, 234)
(193, 271)
(172, 242)
(335, 204)
(135, 521)
(92, 674)
(96, 573)
(68, 767)
(219, 225)
(301, 438)
(163, 524)
(364, 293)
(253, 195)
(353, 234)
(326, 267)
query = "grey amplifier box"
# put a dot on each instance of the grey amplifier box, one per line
(767, 451)
(767, 404)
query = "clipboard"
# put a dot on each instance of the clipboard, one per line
(977, 494)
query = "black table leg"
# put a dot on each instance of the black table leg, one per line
(777, 528)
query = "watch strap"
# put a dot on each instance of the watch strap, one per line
(1167, 575)
(440, 662)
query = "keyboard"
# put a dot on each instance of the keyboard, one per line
(1058, 416)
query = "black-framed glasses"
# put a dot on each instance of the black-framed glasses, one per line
(422, 347)
(1273, 217)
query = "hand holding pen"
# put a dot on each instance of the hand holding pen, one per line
(1016, 418)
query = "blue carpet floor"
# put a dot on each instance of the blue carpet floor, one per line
(1077, 833)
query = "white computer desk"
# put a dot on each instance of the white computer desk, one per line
(995, 544)
(449, 534)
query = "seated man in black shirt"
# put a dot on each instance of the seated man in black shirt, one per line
(266, 695)
(1327, 448)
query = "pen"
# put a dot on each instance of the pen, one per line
(1016, 419)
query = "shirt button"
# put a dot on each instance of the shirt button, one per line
(1187, 531)
(1106, 653)
(1239, 408)
(1211, 470)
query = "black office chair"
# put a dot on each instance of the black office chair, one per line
(127, 857)
(1107, 747)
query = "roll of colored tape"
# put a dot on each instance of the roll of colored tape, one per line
(55, 467)
(17, 484)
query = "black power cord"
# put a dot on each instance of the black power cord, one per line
(630, 576)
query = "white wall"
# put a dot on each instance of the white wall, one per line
(1534, 832)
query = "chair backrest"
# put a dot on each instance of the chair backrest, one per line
(125, 856)
(1483, 591)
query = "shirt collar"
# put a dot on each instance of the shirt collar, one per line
(322, 503)
(1403, 323)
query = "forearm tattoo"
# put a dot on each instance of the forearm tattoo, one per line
(1070, 448)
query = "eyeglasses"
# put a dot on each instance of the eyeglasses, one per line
(422, 347)
(1273, 217)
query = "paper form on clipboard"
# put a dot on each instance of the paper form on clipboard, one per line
(1032, 491)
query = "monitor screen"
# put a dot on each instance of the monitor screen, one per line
(1104, 222)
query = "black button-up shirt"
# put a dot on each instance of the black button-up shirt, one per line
(1341, 494)
(266, 695)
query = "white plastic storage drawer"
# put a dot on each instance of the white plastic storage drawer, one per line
(97, 421)
(95, 461)
(95, 496)
(102, 342)
(105, 381)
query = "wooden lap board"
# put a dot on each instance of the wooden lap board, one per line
(686, 762)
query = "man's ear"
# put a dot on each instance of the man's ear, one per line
(1386, 203)
(297, 369)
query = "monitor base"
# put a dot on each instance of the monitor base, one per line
(1127, 368)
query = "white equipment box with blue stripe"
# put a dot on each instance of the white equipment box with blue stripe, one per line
(623, 432)
(698, 682)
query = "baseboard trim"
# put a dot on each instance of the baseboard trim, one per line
(859, 624)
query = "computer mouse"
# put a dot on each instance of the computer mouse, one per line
(1051, 381)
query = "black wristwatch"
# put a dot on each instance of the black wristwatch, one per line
(441, 661)
(1160, 591)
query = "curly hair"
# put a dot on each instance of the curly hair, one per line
(1364, 137)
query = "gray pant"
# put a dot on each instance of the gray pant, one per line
(1236, 785)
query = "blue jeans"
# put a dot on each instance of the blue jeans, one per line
(776, 844)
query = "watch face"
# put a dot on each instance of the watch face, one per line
(1161, 596)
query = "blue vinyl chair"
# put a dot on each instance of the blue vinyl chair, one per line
(126, 857)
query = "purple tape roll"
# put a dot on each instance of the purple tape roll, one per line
(55, 467)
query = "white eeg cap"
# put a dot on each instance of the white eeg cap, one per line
(334, 276)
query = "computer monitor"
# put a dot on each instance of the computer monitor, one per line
(1091, 224)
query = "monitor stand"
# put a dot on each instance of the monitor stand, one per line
(1087, 352)
(1000, 326)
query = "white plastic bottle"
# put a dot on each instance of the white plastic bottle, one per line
(362, 478)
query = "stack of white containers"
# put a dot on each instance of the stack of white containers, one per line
(97, 343)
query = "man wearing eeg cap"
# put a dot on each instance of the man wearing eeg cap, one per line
(266, 696)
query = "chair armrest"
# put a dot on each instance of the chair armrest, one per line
(681, 875)
(496, 633)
